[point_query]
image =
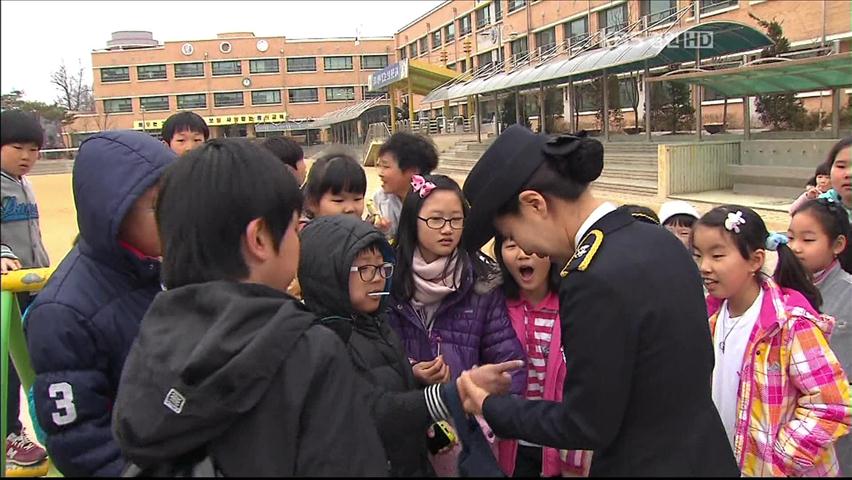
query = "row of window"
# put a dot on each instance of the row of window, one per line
(237, 99)
(234, 67)
(610, 20)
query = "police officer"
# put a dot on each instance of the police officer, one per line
(637, 346)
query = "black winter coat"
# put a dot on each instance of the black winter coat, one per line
(329, 246)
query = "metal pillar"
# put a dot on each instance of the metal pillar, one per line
(410, 104)
(746, 119)
(696, 90)
(835, 112)
(572, 125)
(496, 114)
(646, 92)
(542, 115)
(392, 94)
(478, 120)
(518, 106)
(605, 119)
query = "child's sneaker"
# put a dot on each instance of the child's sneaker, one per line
(22, 451)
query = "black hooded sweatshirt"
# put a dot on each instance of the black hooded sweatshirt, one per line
(243, 371)
(395, 399)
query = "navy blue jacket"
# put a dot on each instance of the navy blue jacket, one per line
(81, 326)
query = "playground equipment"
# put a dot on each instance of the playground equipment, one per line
(13, 343)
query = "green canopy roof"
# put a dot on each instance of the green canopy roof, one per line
(677, 46)
(781, 76)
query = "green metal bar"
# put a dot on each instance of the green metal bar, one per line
(9, 304)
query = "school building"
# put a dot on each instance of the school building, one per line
(242, 84)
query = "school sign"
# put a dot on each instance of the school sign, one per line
(388, 75)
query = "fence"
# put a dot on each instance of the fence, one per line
(439, 125)
(696, 167)
(13, 343)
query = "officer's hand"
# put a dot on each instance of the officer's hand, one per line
(9, 265)
(495, 379)
(472, 396)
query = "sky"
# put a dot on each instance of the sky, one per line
(38, 36)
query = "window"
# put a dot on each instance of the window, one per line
(186, 70)
(424, 45)
(628, 94)
(515, 4)
(707, 6)
(464, 25)
(483, 17)
(613, 19)
(374, 62)
(337, 63)
(462, 65)
(151, 72)
(588, 98)
(228, 99)
(659, 10)
(436, 39)
(577, 30)
(115, 74)
(484, 61)
(267, 65)
(402, 55)
(366, 94)
(519, 49)
(155, 104)
(118, 105)
(228, 67)
(303, 95)
(545, 40)
(710, 94)
(450, 33)
(266, 97)
(412, 50)
(498, 10)
(198, 100)
(337, 94)
(304, 64)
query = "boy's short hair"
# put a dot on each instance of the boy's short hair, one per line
(412, 151)
(285, 149)
(681, 220)
(184, 121)
(17, 126)
(207, 199)
(375, 247)
(335, 172)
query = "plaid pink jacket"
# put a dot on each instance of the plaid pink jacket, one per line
(794, 400)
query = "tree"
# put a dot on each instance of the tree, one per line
(782, 110)
(671, 106)
(74, 95)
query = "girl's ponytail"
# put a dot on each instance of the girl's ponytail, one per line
(790, 273)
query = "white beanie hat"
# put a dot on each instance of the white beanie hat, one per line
(676, 207)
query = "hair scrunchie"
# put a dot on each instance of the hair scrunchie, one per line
(774, 240)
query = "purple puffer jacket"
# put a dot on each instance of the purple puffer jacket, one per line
(472, 326)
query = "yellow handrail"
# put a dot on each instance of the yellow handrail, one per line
(26, 280)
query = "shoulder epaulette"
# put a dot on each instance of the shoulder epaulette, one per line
(584, 254)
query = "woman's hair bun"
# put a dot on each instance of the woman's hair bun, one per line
(577, 157)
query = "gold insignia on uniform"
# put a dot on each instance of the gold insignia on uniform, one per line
(584, 253)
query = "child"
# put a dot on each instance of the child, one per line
(184, 131)
(445, 305)
(821, 184)
(336, 185)
(226, 364)
(80, 327)
(402, 156)
(779, 389)
(819, 234)
(841, 179)
(290, 153)
(345, 267)
(678, 217)
(22, 138)
(530, 284)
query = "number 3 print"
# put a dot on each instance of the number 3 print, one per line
(64, 396)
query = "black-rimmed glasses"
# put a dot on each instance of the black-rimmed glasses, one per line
(437, 223)
(368, 272)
